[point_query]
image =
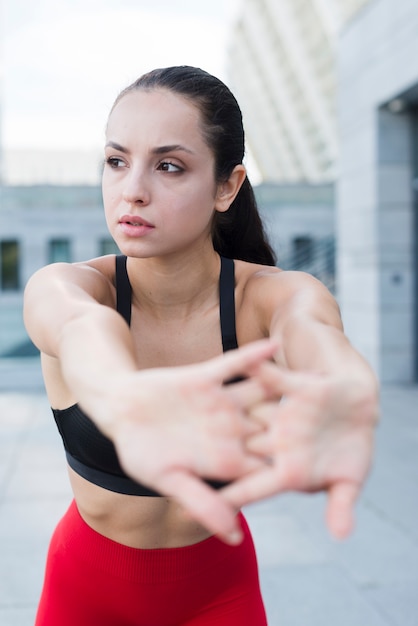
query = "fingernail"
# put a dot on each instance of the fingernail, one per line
(235, 537)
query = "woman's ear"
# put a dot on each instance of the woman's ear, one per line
(227, 191)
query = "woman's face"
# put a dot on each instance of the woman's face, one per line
(159, 189)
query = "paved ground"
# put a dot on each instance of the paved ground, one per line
(307, 578)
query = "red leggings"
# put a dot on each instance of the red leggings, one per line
(93, 581)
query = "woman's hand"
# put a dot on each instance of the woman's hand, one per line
(318, 437)
(177, 425)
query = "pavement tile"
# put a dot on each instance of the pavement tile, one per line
(20, 578)
(291, 544)
(18, 616)
(399, 602)
(316, 595)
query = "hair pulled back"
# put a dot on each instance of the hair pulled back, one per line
(238, 233)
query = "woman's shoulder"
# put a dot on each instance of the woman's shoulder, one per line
(98, 275)
(270, 287)
(256, 276)
(95, 277)
(103, 266)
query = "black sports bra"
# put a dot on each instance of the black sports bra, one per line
(91, 454)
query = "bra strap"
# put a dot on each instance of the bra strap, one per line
(123, 289)
(227, 304)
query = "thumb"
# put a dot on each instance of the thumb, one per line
(242, 361)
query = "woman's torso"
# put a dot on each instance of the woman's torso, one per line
(159, 340)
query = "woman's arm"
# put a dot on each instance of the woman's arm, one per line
(170, 426)
(320, 435)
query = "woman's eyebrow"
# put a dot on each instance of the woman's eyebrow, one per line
(171, 148)
(116, 146)
(175, 147)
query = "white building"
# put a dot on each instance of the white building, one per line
(282, 68)
(51, 167)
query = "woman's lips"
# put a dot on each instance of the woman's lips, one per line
(135, 226)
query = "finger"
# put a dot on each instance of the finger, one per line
(261, 444)
(203, 504)
(265, 440)
(241, 361)
(340, 508)
(281, 382)
(265, 413)
(248, 393)
(240, 462)
(250, 428)
(253, 487)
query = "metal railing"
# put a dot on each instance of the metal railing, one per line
(317, 257)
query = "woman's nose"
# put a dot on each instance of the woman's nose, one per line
(136, 190)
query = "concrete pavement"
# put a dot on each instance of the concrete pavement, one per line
(308, 579)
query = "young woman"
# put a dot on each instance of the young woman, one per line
(155, 419)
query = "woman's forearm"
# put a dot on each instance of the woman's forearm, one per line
(96, 353)
(311, 345)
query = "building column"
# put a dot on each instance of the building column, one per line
(396, 245)
(376, 241)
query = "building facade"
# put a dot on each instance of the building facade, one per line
(300, 222)
(40, 225)
(377, 190)
(282, 68)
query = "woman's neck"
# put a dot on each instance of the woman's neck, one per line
(176, 285)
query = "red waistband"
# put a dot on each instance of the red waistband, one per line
(143, 565)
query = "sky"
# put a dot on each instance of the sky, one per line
(65, 61)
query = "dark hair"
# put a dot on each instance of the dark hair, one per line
(239, 232)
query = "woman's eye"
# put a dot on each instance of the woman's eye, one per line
(166, 166)
(114, 162)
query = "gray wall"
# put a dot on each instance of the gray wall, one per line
(378, 62)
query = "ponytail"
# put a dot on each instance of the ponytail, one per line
(239, 232)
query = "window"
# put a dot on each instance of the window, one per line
(59, 251)
(108, 246)
(302, 251)
(10, 258)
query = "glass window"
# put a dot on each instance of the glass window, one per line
(302, 251)
(108, 246)
(10, 259)
(59, 251)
